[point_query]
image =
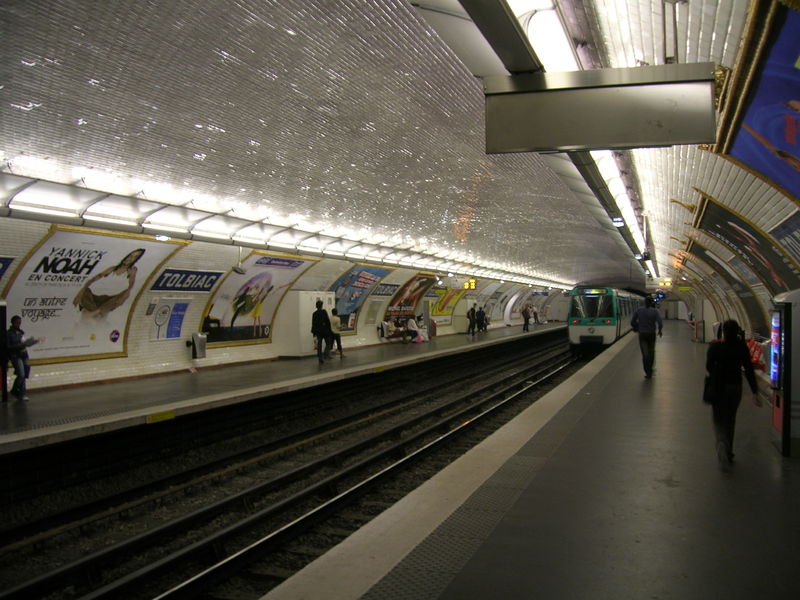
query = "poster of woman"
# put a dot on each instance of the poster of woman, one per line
(77, 288)
(109, 289)
(404, 302)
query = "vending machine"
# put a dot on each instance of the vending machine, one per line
(784, 361)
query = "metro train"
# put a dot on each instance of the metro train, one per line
(599, 315)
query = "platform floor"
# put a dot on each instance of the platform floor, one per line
(56, 415)
(606, 488)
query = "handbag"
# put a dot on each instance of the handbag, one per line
(711, 389)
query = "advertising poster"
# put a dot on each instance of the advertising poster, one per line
(774, 267)
(352, 288)
(445, 305)
(494, 305)
(404, 302)
(76, 290)
(500, 310)
(788, 235)
(751, 303)
(532, 298)
(167, 318)
(768, 140)
(244, 304)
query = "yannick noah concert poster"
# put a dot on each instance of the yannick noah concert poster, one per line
(76, 290)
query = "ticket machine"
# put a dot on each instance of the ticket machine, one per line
(784, 361)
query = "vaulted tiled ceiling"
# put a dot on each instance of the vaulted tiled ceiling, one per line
(353, 114)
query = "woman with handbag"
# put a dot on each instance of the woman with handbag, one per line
(724, 362)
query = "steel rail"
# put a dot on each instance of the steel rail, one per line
(253, 552)
(155, 491)
(94, 561)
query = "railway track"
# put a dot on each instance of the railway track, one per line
(259, 502)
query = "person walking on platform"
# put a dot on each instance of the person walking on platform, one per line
(336, 331)
(321, 330)
(17, 346)
(472, 318)
(526, 318)
(480, 319)
(725, 360)
(647, 321)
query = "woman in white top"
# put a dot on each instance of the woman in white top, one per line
(110, 288)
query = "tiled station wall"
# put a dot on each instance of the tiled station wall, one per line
(147, 356)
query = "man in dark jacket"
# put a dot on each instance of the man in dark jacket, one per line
(647, 321)
(321, 330)
(17, 347)
(471, 319)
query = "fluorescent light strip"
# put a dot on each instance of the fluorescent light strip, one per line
(209, 234)
(288, 246)
(165, 228)
(433, 258)
(249, 240)
(110, 220)
(44, 211)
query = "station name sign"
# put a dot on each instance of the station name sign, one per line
(186, 281)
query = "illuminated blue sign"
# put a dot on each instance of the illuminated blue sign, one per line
(776, 347)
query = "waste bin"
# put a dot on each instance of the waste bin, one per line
(198, 345)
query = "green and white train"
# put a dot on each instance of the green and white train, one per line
(599, 316)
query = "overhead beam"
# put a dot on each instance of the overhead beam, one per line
(502, 30)
(635, 107)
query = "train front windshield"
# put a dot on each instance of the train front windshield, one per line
(592, 307)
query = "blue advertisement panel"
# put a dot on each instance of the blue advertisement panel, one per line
(176, 319)
(352, 288)
(769, 140)
(168, 316)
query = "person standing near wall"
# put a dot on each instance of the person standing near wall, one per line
(336, 331)
(725, 360)
(526, 317)
(472, 318)
(647, 321)
(321, 330)
(480, 319)
(17, 347)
